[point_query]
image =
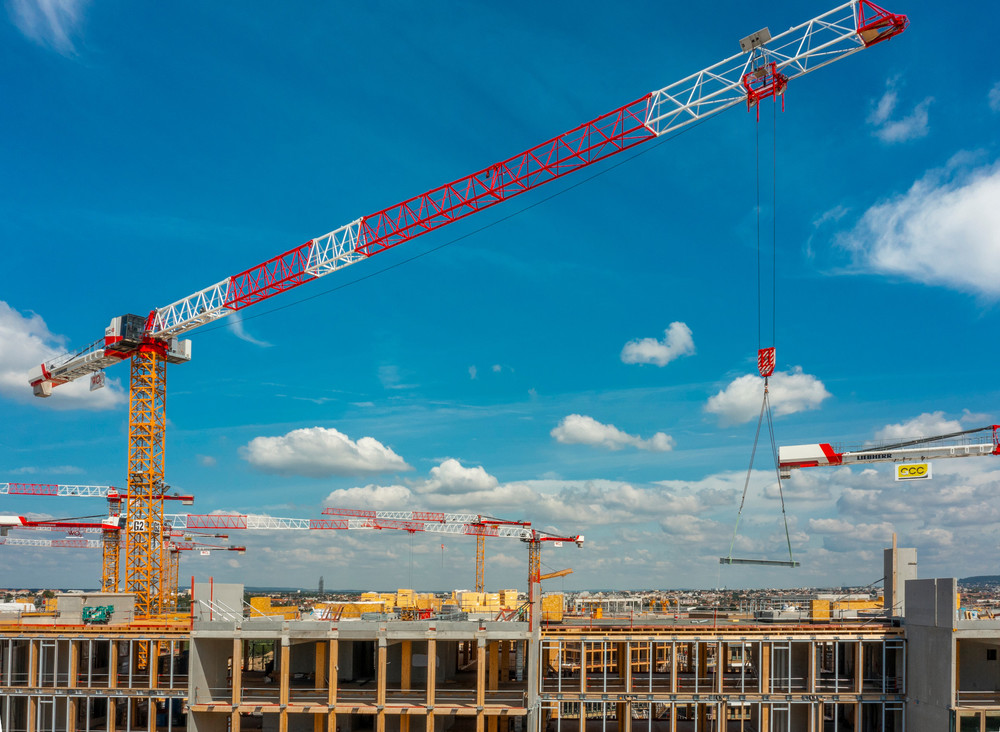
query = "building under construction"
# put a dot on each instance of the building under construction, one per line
(920, 664)
(124, 661)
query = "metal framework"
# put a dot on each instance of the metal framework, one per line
(836, 34)
(953, 445)
(144, 506)
(111, 549)
(49, 489)
(68, 543)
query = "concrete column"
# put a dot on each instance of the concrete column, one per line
(720, 665)
(332, 670)
(811, 677)
(153, 660)
(405, 679)
(236, 685)
(319, 679)
(284, 682)
(480, 683)
(380, 676)
(765, 671)
(673, 680)
(533, 647)
(431, 681)
(859, 667)
(628, 667)
(492, 678)
(74, 662)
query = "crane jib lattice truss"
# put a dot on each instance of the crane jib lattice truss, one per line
(762, 69)
(804, 48)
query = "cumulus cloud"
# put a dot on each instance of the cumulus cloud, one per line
(472, 372)
(945, 230)
(49, 23)
(840, 535)
(790, 392)
(319, 452)
(677, 341)
(25, 342)
(452, 477)
(993, 97)
(928, 424)
(234, 323)
(579, 429)
(903, 128)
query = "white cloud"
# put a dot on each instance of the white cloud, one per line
(234, 323)
(790, 392)
(319, 452)
(207, 460)
(928, 424)
(25, 342)
(451, 477)
(472, 373)
(993, 97)
(677, 341)
(579, 429)
(945, 230)
(908, 127)
(49, 23)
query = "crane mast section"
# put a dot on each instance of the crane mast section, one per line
(836, 34)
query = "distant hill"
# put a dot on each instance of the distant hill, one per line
(983, 579)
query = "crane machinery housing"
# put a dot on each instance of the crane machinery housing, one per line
(763, 68)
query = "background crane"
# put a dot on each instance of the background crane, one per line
(763, 69)
(111, 552)
(952, 445)
(469, 525)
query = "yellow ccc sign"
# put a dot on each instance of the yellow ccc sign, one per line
(913, 471)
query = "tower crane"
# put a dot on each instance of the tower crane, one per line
(762, 69)
(468, 524)
(111, 554)
(953, 445)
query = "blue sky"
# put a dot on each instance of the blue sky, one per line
(577, 357)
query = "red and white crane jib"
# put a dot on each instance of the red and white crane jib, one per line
(804, 48)
(76, 491)
(823, 454)
(53, 543)
(51, 489)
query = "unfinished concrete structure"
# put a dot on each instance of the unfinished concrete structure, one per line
(955, 677)
(362, 675)
(938, 669)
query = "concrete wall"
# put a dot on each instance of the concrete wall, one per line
(209, 669)
(975, 672)
(222, 596)
(905, 561)
(930, 654)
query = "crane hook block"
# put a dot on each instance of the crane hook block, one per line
(765, 361)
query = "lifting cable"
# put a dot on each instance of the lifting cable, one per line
(765, 360)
